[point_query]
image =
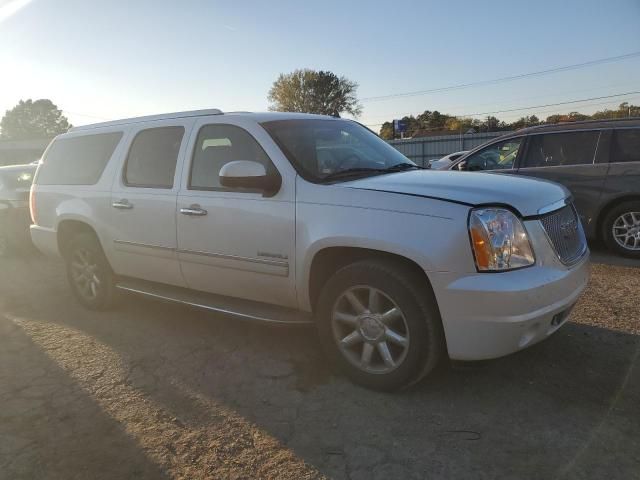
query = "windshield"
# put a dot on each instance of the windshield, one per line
(320, 149)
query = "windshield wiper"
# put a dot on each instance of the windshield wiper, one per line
(399, 167)
(352, 171)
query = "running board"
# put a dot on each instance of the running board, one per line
(245, 309)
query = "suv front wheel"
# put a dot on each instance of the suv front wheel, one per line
(621, 229)
(378, 322)
(89, 273)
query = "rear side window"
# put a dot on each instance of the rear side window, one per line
(77, 160)
(152, 158)
(218, 145)
(561, 149)
(626, 146)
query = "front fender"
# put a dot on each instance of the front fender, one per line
(434, 243)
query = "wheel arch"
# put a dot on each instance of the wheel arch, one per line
(610, 205)
(69, 228)
(328, 260)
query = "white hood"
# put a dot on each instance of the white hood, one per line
(526, 195)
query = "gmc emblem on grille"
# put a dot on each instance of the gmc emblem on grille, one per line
(568, 228)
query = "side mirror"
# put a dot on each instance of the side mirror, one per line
(251, 175)
(462, 166)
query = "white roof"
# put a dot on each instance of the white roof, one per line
(259, 117)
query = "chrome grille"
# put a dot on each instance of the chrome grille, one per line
(565, 234)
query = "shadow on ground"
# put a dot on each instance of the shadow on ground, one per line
(233, 399)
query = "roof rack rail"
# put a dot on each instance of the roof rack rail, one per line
(579, 122)
(147, 118)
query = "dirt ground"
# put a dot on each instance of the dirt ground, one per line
(155, 391)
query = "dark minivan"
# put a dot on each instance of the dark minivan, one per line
(598, 161)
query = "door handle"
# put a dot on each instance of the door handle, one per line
(194, 211)
(122, 204)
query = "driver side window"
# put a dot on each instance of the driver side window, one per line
(499, 156)
(217, 145)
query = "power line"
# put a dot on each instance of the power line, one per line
(550, 110)
(552, 104)
(535, 106)
(452, 110)
(504, 79)
(86, 115)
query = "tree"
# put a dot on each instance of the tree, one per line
(33, 119)
(624, 110)
(312, 91)
(523, 122)
(386, 131)
(461, 124)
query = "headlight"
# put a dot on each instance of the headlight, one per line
(499, 240)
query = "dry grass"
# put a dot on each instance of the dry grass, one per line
(612, 299)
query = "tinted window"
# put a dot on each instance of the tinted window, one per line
(626, 146)
(152, 157)
(77, 160)
(498, 156)
(218, 145)
(561, 149)
(320, 149)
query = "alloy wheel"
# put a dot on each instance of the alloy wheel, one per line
(626, 230)
(370, 329)
(85, 274)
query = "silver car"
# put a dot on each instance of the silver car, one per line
(294, 218)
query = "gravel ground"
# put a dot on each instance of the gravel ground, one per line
(157, 391)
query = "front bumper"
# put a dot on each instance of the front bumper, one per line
(489, 315)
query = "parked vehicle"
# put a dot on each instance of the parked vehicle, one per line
(598, 161)
(445, 161)
(15, 182)
(247, 215)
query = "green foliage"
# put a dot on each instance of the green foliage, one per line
(311, 91)
(33, 119)
(624, 110)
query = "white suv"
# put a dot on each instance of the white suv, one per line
(295, 218)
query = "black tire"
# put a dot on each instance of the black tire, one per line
(104, 296)
(414, 298)
(608, 224)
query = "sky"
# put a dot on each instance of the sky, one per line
(103, 60)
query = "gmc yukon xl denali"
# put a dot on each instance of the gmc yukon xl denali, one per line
(295, 218)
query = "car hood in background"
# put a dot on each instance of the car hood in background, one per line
(527, 195)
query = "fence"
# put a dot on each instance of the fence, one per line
(423, 149)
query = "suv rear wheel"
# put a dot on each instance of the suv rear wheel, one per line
(89, 273)
(621, 229)
(379, 324)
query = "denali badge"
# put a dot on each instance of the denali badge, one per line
(569, 227)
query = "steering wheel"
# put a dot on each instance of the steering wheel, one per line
(490, 164)
(351, 161)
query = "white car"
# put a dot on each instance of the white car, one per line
(295, 218)
(446, 161)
